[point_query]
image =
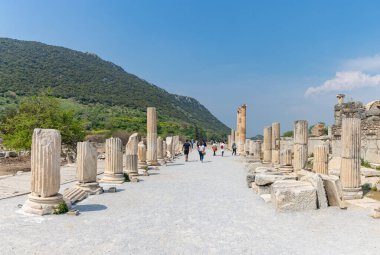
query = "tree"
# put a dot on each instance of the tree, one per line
(41, 111)
(288, 134)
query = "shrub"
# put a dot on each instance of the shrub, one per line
(126, 177)
(365, 163)
(61, 208)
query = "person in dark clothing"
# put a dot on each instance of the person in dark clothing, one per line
(234, 149)
(186, 150)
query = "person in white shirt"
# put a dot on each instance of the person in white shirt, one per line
(222, 145)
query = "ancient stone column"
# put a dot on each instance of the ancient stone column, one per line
(320, 164)
(267, 145)
(113, 171)
(238, 121)
(276, 143)
(151, 131)
(286, 161)
(350, 166)
(175, 141)
(242, 129)
(246, 146)
(232, 138)
(257, 150)
(300, 144)
(251, 147)
(142, 158)
(87, 163)
(45, 169)
(164, 150)
(169, 147)
(131, 157)
(160, 151)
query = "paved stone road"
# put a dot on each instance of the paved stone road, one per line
(190, 208)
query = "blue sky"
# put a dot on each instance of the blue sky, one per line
(285, 59)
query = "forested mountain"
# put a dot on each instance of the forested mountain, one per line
(27, 68)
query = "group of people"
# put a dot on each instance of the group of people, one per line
(201, 147)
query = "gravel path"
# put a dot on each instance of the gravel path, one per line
(190, 208)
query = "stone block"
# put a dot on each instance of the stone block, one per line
(290, 195)
(333, 190)
(369, 172)
(317, 182)
(263, 179)
(266, 198)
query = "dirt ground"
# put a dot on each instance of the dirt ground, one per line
(13, 165)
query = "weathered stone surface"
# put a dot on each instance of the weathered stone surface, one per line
(289, 195)
(151, 123)
(335, 163)
(369, 172)
(75, 194)
(260, 190)
(276, 143)
(300, 144)
(263, 179)
(267, 144)
(131, 156)
(317, 183)
(45, 168)
(320, 164)
(266, 198)
(250, 178)
(113, 170)
(333, 190)
(160, 151)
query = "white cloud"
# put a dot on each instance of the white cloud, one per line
(367, 64)
(346, 81)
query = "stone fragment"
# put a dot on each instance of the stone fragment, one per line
(369, 172)
(290, 195)
(333, 190)
(160, 152)
(112, 190)
(375, 213)
(75, 194)
(113, 170)
(73, 213)
(142, 158)
(263, 179)
(320, 164)
(317, 183)
(300, 144)
(131, 157)
(266, 198)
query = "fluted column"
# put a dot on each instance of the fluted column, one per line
(276, 143)
(350, 166)
(131, 156)
(242, 129)
(164, 150)
(267, 145)
(320, 164)
(286, 161)
(300, 144)
(257, 150)
(45, 172)
(142, 158)
(151, 128)
(160, 151)
(87, 164)
(169, 147)
(232, 138)
(113, 170)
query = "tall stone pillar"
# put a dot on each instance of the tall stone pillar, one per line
(242, 129)
(131, 157)
(87, 163)
(113, 171)
(276, 143)
(286, 161)
(257, 150)
(300, 144)
(169, 147)
(164, 150)
(238, 121)
(160, 151)
(246, 146)
(267, 145)
(320, 164)
(141, 148)
(45, 168)
(151, 124)
(232, 138)
(350, 166)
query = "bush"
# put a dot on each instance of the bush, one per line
(126, 177)
(61, 208)
(288, 134)
(365, 163)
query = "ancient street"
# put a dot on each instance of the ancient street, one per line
(187, 208)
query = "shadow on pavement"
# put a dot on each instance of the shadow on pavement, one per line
(90, 207)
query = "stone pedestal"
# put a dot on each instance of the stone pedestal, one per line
(113, 171)
(151, 154)
(131, 156)
(276, 143)
(286, 161)
(257, 150)
(350, 166)
(142, 158)
(45, 169)
(246, 146)
(267, 145)
(300, 144)
(160, 151)
(320, 164)
(87, 168)
(169, 147)
(164, 151)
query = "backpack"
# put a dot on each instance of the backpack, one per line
(222, 147)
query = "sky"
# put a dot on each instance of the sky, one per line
(285, 59)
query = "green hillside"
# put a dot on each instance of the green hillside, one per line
(27, 68)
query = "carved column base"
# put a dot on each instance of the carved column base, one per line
(112, 178)
(92, 188)
(152, 163)
(352, 193)
(286, 169)
(42, 205)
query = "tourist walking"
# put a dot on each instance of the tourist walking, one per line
(186, 149)
(222, 145)
(214, 148)
(234, 149)
(202, 151)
